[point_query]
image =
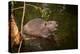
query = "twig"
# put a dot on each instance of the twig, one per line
(30, 38)
(26, 5)
(22, 18)
(12, 6)
(19, 46)
(22, 27)
(17, 8)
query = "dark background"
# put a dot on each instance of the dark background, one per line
(67, 19)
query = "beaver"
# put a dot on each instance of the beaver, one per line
(39, 28)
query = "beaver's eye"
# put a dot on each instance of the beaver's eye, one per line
(50, 23)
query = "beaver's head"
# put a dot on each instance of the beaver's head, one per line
(51, 25)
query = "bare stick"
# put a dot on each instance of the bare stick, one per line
(22, 27)
(17, 8)
(23, 18)
(26, 5)
(12, 6)
(19, 46)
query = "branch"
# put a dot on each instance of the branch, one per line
(17, 8)
(22, 26)
(26, 5)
